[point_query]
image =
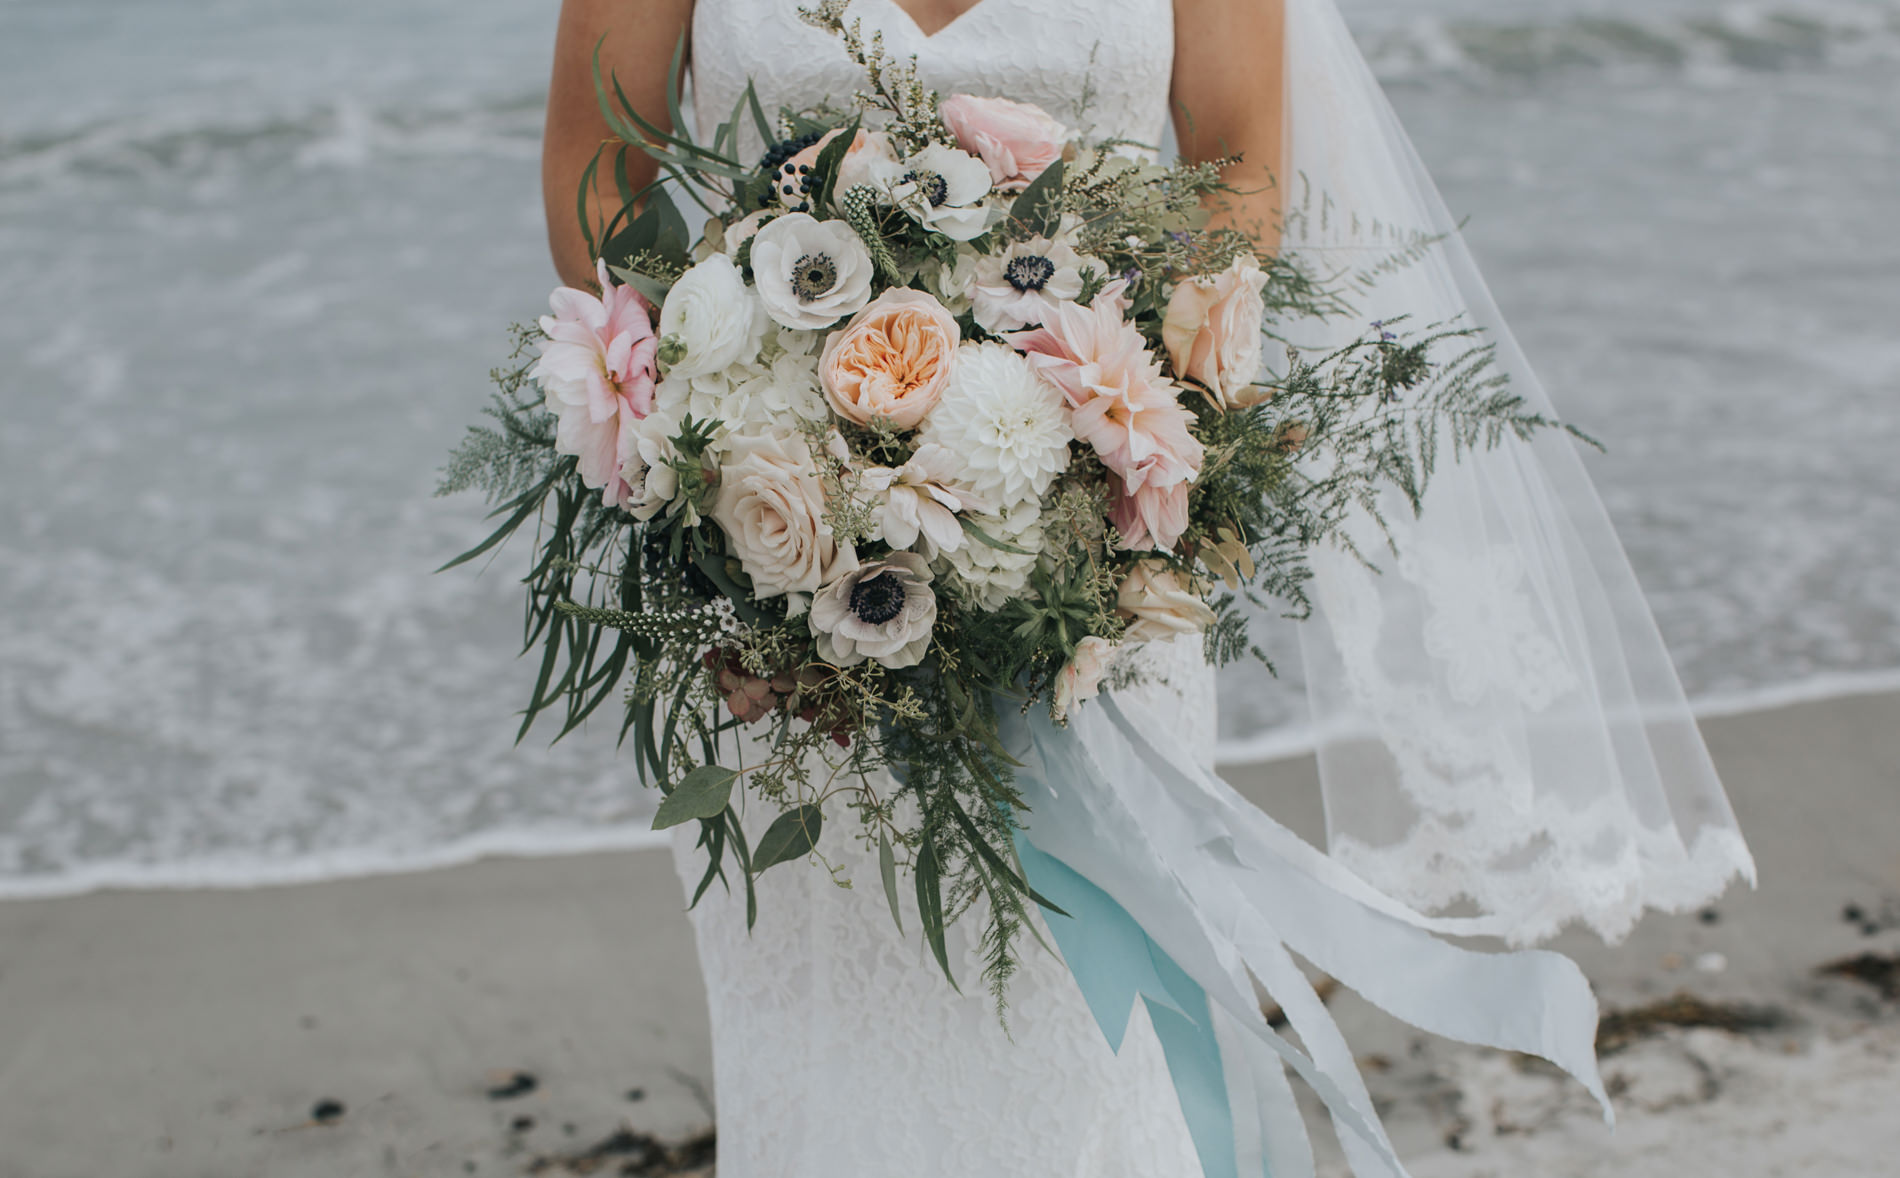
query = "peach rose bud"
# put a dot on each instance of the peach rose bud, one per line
(1212, 332)
(892, 360)
(1017, 140)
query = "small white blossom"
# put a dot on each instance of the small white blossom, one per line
(988, 576)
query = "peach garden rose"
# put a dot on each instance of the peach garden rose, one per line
(1212, 332)
(1016, 139)
(892, 360)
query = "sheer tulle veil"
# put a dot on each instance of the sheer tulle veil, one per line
(1498, 720)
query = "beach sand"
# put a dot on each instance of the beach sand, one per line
(510, 1016)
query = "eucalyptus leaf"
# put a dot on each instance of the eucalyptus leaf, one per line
(1039, 209)
(703, 793)
(887, 867)
(791, 836)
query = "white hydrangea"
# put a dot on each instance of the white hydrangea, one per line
(987, 576)
(761, 393)
(1008, 426)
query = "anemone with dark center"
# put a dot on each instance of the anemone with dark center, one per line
(877, 599)
(1029, 272)
(814, 276)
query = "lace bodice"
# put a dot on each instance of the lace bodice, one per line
(1102, 66)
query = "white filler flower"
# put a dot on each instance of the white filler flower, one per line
(710, 320)
(990, 576)
(810, 273)
(1007, 425)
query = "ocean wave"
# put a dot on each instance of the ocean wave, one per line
(340, 133)
(1719, 42)
(239, 870)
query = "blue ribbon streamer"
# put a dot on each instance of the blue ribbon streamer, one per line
(1114, 962)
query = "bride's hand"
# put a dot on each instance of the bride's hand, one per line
(1229, 100)
(640, 36)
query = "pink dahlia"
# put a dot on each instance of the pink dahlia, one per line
(1125, 408)
(597, 372)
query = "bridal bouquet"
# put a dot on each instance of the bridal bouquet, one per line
(947, 409)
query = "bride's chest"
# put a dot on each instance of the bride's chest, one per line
(1099, 65)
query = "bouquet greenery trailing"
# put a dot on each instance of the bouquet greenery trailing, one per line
(945, 410)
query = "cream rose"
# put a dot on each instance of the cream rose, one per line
(1157, 605)
(1212, 332)
(1017, 140)
(892, 360)
(810, 273)
(771, 506)
(710, 319)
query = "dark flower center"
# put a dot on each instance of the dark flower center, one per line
(1029, 272)
(878, 599)
(813, 277)
(936, 189)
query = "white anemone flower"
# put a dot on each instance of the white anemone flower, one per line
(1007, 426)
(921, 500)
(810, 273)
(1020, 286)
(882, 610)
(944, 190)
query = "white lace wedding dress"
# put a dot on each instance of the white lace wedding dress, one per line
(839, 1051)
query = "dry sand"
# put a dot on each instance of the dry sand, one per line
(476, 1019)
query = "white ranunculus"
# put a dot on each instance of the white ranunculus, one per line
(771, 506)
(810, 273)
(712, 315)
(943, 189)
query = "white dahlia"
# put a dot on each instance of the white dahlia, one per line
(1009, 427)
(987, 576)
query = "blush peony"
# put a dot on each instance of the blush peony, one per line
(1016, 139)
(892, 360)
(1212, 332)
(596, 371)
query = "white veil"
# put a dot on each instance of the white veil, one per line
(1499, 722)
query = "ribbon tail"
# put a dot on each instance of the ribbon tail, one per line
(1183, 894)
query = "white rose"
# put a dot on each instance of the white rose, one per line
(710, 313)
(1158, 606)
(771, 506)
(810, 273)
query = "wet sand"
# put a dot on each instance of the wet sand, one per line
(544, 1015)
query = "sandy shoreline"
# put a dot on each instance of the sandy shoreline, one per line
(471, 1019)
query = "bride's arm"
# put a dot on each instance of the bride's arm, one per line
(1229, 99)
(640, 37)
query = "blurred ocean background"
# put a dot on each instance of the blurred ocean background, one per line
(256, 258)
